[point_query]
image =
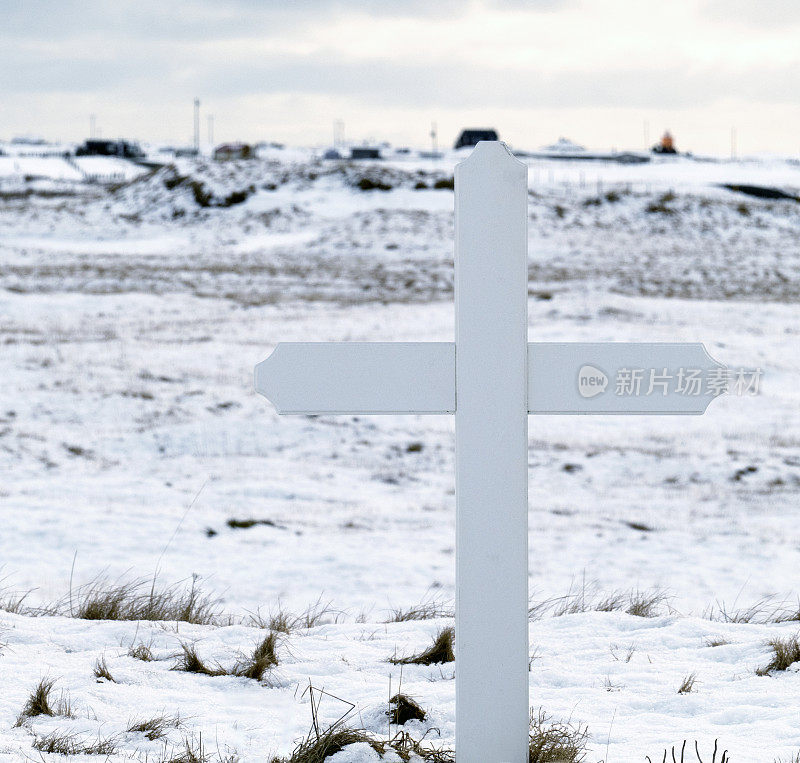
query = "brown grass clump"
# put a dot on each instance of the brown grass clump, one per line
(645, 603)
(40, 702)
(556, 742)
(427, 610)
(141, 600)
(14, 603)
(785, 653)
(264, 658)
(63, 743)
(154, 728)
(439, 652)
(404, 709)
(317, 748)
(763, 611)
(190, 662)
(101, 671)
(141, 652)
(588, 599)
(283, 621)
(688, 683)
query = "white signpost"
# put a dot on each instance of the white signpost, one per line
(491, 378)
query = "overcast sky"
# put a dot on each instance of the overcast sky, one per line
(601, 72)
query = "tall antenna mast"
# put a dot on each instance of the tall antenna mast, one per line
(197, 125)
(338, 133)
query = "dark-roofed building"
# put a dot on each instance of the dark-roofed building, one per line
(472, 136)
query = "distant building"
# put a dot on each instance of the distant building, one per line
(471, 137)
(121, 148)
(28, 140)
(666, 145)
(564, 146)
(228, 151)
(364, 152)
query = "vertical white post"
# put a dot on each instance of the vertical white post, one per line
(491, 293)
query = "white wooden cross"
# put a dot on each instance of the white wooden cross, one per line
(491, 378)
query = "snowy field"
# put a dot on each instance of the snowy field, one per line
(133, 446)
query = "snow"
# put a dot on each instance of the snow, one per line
(130, 322)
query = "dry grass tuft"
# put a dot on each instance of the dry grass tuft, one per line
(190, 662)
(762, 612)
(190, 751)
(142, 600)
(427, 610)
(404, 709)
(40, 702)
(101, 671)
(439, 652)
(14, 603)
(317, 748)
(556, 742)
(588, 599)
(645, 603)
(63, 743)
(282, 621)
(156, 727)
(263, 659)
(715, 641)
(141, 652)
(688, 683)
(786, 652)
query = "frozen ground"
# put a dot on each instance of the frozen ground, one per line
(131, 319)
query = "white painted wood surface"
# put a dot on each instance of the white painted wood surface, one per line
(491, 294)
(554, 371)
(420, 377)
(360, 377)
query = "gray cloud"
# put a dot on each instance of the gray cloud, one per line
(758, 14)
(156, 72)
(203, 20)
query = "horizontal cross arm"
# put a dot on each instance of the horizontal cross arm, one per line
(658, 378)
(360, 377)
(420, 377)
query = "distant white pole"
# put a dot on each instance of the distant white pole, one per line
(338, 133)
(434, 142)
(733, 143)
(491, 293)
(196, 124)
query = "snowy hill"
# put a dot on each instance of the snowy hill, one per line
(131, 316)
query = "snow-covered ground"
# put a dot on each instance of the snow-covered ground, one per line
(131, 440)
